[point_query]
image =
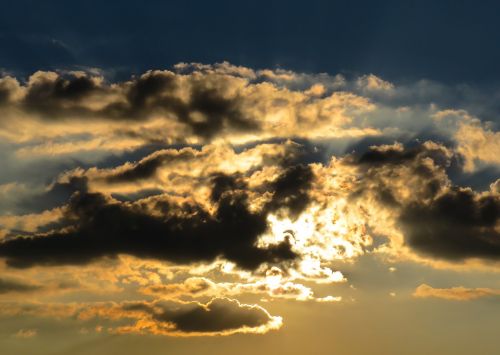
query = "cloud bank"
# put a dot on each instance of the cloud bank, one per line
(185, 191)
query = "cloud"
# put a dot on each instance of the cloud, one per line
(199, 227)
(220, 316)
(455, 225)
(275, 284)
(26, 333)
(373, 83)
(217, 317)
(13, 286)
(291, 189)
(476, 141)
(195, 186)
(435, 218)
(250, 194)
(454, 293)
(280, 208)
(197, 105)
(106, 227)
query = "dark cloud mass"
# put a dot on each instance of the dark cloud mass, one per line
(456, 225)
(204, 105)
(58, 97)
(438, 219)
(187, 233)
(291, 189)
(8, 286)
(147, 167)
(218, 316)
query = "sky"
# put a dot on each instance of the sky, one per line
(285, 177)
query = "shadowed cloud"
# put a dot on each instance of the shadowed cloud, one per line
(104, 227)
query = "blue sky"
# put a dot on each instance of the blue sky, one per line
(400, 40)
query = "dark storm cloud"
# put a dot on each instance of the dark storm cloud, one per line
(182, 234)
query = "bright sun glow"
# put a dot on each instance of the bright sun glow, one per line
(320, 236)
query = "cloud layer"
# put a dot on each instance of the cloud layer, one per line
(186, 191)
(454, 293)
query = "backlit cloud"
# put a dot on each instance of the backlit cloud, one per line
(182, 193)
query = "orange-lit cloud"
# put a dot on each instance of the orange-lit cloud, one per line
(188, 190)
(459, 293)
(219, 316)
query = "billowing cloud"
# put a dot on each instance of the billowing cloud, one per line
(185, 191)
(106, 227)
(274, 285)
(198, 105)
(456, 224)
(435, 217)
(476, 141)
